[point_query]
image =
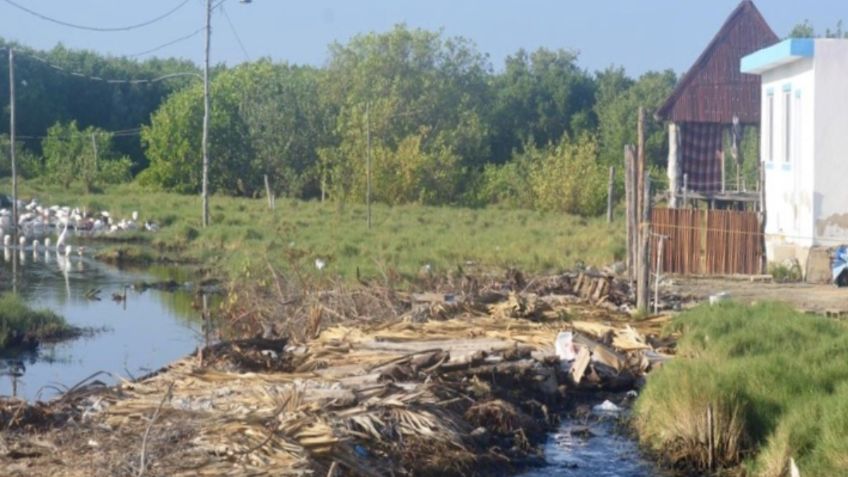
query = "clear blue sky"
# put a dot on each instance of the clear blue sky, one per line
(640, 35)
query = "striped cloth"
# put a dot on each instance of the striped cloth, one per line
(701, 150)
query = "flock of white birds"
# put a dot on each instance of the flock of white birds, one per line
(37, 224)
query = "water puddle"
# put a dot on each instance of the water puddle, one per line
(131, 338)
(592, 447)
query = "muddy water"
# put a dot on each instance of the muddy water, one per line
(128, 339)
(593, 446)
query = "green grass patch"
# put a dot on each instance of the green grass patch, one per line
(23, 327)
(774, 380)
(246, 235)
(126, 255)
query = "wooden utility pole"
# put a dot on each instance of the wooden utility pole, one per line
(368, 159)
(643, 287)
(610, 192)
(12, 120)
(205, 146)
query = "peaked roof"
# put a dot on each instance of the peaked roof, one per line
(714, 90)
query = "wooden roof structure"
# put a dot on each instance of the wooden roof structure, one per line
(714, 90)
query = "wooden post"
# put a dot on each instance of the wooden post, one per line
(673, 165)
(205, 137)
(640, 158)
(94, 148)
(12, 120)
(268, 192)
(368, 159)
(610, 192)
(643, 287)
(685, 190)
(658, 271)
(630, 199)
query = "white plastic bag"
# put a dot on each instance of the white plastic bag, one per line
(564, 346)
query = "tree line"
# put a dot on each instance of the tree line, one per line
(441, 124)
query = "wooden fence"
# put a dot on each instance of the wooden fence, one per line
(707, 242)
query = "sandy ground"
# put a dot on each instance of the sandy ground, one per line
(824, 299)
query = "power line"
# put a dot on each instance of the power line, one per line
(235, 33)
(77, 74)
(165, 45)
(92, 28)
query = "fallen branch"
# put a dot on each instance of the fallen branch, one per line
(153, 419)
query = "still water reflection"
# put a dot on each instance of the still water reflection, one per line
(141, 335)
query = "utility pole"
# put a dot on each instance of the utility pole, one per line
(12, 142)
(205, 184)
(368, 159)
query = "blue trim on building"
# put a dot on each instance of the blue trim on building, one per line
(787, 87)
(769, 164)
(787, 167)
(797, 93)
(782, 53)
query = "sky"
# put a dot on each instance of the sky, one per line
(640, 35)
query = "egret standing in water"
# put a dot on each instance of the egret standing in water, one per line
(60, 242)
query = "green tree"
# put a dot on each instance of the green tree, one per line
(416, 89)
(617, 106)
(537, 98)
(265, 119)
(86, 156)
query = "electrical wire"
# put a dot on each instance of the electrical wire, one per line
(165, 45)
(97, 29)
(109, 80)
(235, 33)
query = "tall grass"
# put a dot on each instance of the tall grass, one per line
(404, 239)
(775, 380)
(20, 325)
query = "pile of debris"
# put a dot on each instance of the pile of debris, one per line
(469, 391)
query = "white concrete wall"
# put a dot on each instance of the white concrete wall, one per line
(831, 138)
(790, 205)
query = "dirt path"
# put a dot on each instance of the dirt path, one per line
(824, 299)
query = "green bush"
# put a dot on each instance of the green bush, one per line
(20, 325)
(776, 380)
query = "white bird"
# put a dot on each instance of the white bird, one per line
(7, 240)
(47, 242)
(320, 264)
(22, 241)
(68, 250)
(61, 240)
(35, 245)
(135, 216)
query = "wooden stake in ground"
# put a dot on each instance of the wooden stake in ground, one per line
(630, 199)
(368, 159)
(610, 191)
(270, 195)
(643, 288)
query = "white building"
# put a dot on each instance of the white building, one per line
(804, 144)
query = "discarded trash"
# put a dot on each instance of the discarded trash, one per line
(719, 298)
(606, 407)
(564, 346)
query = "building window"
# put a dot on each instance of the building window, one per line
(770, 126)
(787, 151)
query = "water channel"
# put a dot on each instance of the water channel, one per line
(123, 338)
(152, 328)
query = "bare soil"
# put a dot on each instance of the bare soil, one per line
(820, 299)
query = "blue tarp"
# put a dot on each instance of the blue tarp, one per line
(840, 264)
